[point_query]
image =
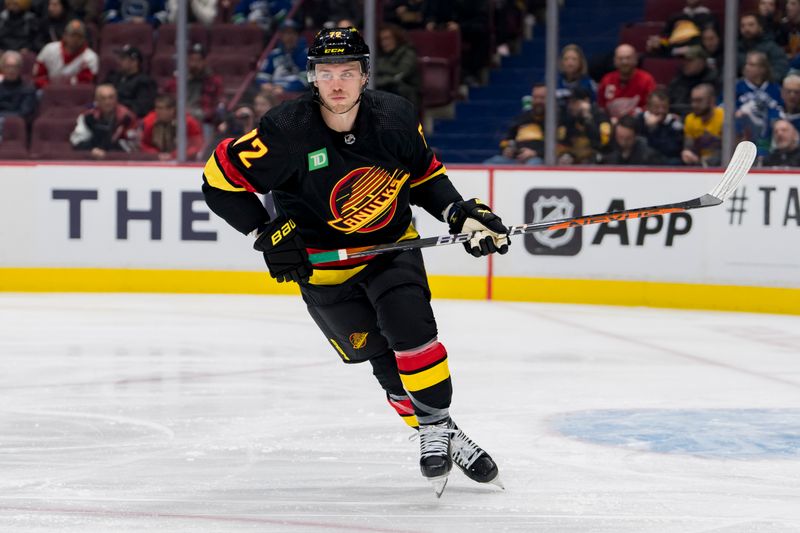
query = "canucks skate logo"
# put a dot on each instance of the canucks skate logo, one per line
(548, 205)
(366, 199)
(358, 340)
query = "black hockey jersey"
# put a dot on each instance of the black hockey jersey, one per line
(343, 189)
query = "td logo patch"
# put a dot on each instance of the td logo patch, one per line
(318, 159)
(553, 204)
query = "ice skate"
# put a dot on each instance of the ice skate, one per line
(471, 459)
(434, 446)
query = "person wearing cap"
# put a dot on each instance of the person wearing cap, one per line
(682, 29)
(69, 60)
(204, 88)
(523, 144)
(135, 89)
(344, 165)
(694, 71)
(285, 66)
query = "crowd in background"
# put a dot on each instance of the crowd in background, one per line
(623, 117)
(611, 113)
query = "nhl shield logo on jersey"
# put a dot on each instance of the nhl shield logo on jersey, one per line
(366, 199)
(358, 340)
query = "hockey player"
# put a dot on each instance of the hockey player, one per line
(345, 165)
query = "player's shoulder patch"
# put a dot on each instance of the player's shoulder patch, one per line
(390, 111)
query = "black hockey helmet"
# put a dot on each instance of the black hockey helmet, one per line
(337, 45)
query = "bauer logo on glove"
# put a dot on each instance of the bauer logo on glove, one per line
(284, 251)
(490, 235)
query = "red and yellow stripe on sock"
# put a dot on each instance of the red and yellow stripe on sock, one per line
(404, 408)
(423, 368)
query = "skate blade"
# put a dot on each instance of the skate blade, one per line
(438, 483)
(496, 481)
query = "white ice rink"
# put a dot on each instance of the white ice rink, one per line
(149, 413)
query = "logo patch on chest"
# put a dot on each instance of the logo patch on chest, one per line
(366, 199)
(318, 159)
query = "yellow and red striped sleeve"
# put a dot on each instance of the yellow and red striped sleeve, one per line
(221, 173)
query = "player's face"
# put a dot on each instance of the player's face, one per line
(339, 84)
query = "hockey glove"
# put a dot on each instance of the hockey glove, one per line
(284, 251)
(467, 216)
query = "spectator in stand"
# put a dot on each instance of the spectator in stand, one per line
(160, 129)
(471, 18)
(789, 32)
(662, 130)
(151, 12)
(770, 19)
(135, 89)
(694, 71)
(702, 129)
(202, 11)
(524, 142)
(285, 66)
(752, 39)
(682, 29)
(625, 90)
(583, 132)
(89, 11)
(712, 44)
(758, 102)
(52, 25)
(17, 97)
(264, 13)
(573, 73)
(408, 14)
(327, 13)
(263, 102)
(790, 93)
(19, 26)
(69, 60)
(236, 124)
(628, 148)
(508, 25)
(204, 89)
(786, 146)
(108, 126)
(396, 65)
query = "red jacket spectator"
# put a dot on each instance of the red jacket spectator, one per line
(160, 131)
(625, 91)
(69, 60)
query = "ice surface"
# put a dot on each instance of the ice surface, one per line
(123, 413)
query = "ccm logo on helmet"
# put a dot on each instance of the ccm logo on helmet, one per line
(334, 50)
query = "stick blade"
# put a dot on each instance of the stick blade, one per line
(739, 166)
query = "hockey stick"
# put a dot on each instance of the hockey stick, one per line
(737, 169)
